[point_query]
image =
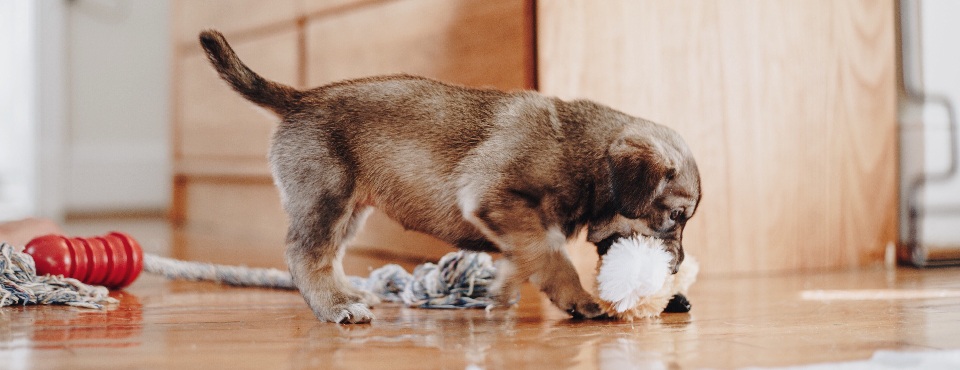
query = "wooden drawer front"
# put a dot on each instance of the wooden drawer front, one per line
(236, 209)
(477, 43)
(229, 16)
(215, 120)
(235, 222)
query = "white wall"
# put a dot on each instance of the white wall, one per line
(118, 86)
(18, 135)
(84, 112)
(941, 75)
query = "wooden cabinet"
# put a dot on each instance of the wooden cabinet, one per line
(225, 206)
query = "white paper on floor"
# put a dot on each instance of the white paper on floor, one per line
(884, 360)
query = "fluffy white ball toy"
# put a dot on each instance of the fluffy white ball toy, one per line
(634, 279)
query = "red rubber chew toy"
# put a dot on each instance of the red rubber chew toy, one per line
(113, 260)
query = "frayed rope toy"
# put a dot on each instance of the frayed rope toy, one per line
(72, 270)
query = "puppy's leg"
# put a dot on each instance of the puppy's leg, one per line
(318, 197)
(558, 279)
(529, 248)
(359, 217)
(314, 257)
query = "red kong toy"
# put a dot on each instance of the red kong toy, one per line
(113, 260)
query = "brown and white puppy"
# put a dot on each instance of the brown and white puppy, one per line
(511, 172)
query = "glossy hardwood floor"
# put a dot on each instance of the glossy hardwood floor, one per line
(735, 322)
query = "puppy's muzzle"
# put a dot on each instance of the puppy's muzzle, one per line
(672, 246)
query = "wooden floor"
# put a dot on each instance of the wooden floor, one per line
(735, 322)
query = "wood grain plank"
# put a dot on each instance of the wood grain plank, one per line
(788, 106)
(477, 43)
(870, 166)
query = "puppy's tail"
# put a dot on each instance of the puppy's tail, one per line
(277, 97)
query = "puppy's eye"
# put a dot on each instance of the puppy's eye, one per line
(676, 214)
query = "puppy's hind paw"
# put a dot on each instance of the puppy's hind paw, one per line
(350, 313)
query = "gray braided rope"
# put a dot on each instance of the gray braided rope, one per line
(231, 275)
(459, 280)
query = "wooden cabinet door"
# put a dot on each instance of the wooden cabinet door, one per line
(789, 107)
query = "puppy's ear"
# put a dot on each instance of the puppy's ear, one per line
(639, 170)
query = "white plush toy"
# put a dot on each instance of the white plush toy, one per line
(634, 279)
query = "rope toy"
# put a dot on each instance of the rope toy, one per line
(54, 269)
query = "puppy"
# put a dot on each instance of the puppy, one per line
(511, 172)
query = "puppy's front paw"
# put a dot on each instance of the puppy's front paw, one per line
(587, 310)
(576, 302)
(504, 297)
(504, 292)
(347, 313)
